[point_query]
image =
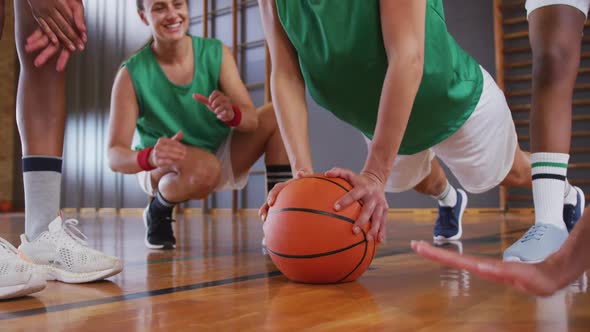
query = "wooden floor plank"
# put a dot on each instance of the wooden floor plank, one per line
(218, 279)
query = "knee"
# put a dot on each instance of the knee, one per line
(519, 176)
(204, 177)
(553, 61)
(267, 119)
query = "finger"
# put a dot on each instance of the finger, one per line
(376, 223)
(170, 155)
(78, 12)
(178, 136)
(35, 45)
(338, 172)
(35, 35)
(45, 55)
(216, 94)
(445, 257)
(201, 99)
(64, 18)
(47, 30)
(383, 229)
(63, 59)
(263, 211)
(165, 162)
(60, 35)
(272, 195)
(352, 196)
(302, 173)
(363, 219)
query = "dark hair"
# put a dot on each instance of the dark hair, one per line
(140, 4)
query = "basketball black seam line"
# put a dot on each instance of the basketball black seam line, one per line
(320, 212)
(362, 258)
(328, 253)
(336, 183)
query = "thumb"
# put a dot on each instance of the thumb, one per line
(201, 99)
(178, 136)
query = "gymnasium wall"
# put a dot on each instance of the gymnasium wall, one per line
(115, 32)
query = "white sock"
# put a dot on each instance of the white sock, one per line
(42, 184)
(549, 175)
(570, 195)
(448, 197)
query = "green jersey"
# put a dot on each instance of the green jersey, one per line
(340, 48)
(166, 108)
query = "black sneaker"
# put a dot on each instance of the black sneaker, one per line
(158, 230)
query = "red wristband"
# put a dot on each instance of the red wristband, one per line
(143, 159)
(237, 117)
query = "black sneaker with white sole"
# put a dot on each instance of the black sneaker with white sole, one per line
(158, 230)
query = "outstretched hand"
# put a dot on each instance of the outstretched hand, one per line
(538, 279)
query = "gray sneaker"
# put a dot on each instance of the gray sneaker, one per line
(540, 241)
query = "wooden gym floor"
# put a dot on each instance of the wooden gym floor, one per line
(218, 279)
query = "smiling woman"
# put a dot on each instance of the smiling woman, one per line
(199, 131)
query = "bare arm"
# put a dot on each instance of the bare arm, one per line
(231, 84)
(122, 122)
(288, 90)
(403, 29)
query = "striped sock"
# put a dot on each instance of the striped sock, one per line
(42, 184)
(276, 174)
(448, 197)
(549, 178)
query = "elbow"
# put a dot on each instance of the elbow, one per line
(111, 161)
(415, 61)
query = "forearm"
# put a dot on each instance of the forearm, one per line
(291, 109)
(249, 118)
(123, 160)
(397, 98)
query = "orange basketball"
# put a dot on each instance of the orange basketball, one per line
(309, 241)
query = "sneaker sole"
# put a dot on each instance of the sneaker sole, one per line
(36, 283)
(460, 232)
(54, 273)
(518, 260)
(145, 238)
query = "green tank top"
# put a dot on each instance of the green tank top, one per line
(166, 108)
(340, 48)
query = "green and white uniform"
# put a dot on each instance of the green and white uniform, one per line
(166, 108)
(339, 44)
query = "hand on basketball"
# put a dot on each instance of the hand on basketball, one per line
(40, 41)
(217, 103)
(538, 279)
(62, 21)
(168, 151)
(272, 195)
(371, 192)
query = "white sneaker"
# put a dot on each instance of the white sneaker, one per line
(64, 254)
(17, 277)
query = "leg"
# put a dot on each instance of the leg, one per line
(246, 148)
(520, 173)
(194, 178)
(41, 121)
(451, 202)
(555, 36)
(435, 183)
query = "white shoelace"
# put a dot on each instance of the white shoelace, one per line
(69, 227)
(536, 232)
